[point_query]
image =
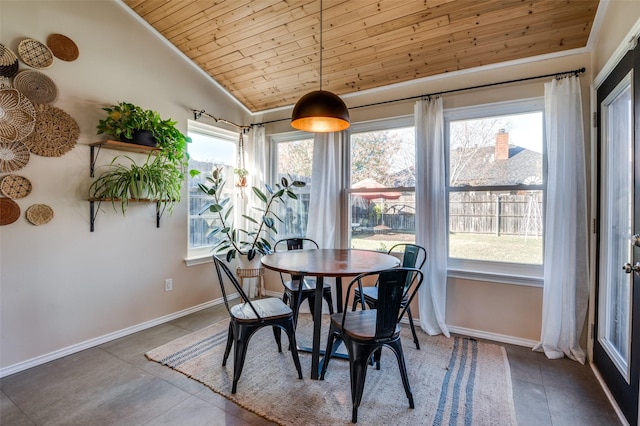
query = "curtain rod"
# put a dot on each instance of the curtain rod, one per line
(199, 113)
(556, 75)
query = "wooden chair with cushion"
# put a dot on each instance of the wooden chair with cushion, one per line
(295, 292)
(414, 257)
(365, 332)
(247, 317)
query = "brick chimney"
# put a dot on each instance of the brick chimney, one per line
(502, 145)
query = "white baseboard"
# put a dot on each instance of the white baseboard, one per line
(502, 338)
(60, 353)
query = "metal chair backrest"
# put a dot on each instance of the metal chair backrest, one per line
(296, 243)
(394, 296)
(414, 257)
(222, 267)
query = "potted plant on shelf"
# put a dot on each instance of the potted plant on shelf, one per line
(237, 242)
(128, 122)
(156, 180)
(242, 177)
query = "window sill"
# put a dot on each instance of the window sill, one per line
(530, 281)
(198, 259)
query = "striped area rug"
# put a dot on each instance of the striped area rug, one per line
(455, 381)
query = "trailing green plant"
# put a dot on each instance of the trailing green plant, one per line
(124, 118)
(160, 178)
(252, 241)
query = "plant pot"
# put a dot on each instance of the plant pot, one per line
(141, 137)
(139, 191)
(245, 263)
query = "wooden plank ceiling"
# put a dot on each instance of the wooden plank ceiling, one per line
(266, 52)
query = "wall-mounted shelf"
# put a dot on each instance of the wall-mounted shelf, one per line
(118, 146)
(93, 212)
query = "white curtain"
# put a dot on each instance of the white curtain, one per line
(256, 147)
(255, 163)
(323, 225)
(431, 222)
(326, 183)
(566, 281)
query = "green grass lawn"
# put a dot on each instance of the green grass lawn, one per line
(504, 248)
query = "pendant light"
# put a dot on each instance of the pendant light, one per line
(320, 111)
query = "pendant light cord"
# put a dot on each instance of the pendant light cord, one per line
(320, 44)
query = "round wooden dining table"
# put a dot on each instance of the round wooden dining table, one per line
(322, 263)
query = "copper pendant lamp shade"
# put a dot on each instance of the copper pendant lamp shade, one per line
(320, 111)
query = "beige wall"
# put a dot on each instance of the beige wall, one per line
(618, 18)
(61, 285)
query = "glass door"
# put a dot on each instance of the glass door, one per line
(616, 345)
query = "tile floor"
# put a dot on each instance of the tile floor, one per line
(114, 384)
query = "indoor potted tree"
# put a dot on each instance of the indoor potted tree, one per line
(237, 242)
(156, 180)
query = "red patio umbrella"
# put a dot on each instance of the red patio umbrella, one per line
(369, 183)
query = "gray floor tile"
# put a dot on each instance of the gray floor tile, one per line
(133, 347)
(195, 412)
(524, 365)
(579, 408)
(10, 414)
(530, 401)
(202, 318)
(91, 387)
(174, 377)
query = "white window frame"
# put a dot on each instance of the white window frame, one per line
(362, 127)
(274, 141)
(202, 255)
(501, 272)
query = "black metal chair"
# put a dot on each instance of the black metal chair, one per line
(414, 257)
(248, 317)
(365, 332)
(294, 292)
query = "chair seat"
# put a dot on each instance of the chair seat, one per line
(309, 285)
(359, 325)
(369, 292)
(267, 308)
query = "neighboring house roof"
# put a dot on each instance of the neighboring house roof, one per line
(480, 168)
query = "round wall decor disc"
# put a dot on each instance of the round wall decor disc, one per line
(17, 116)
(9, 211)
(39, 214)
(35, 54)
(36, 86)
(14, 186)
(63, 47)
(13, 156)
(55, 133)
(8, 62)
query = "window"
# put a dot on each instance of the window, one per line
(293, 156)
(382, 184)
(210, 147)
(496, 185)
